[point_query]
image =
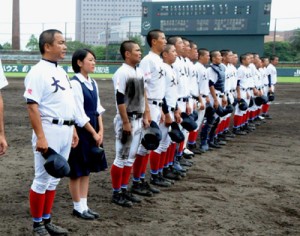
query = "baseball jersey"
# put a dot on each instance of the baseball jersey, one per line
(244, 76)
(202, 79)
(271, 70)
(48, 85)
(171, 85)
(3, 80)
(129, 81)
(81, 117)
(193, 80)
(151, 66)
(230, 77)
(181, 71)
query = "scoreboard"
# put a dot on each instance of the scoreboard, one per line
(207, 17)
(239, 25)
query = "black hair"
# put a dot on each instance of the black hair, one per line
(47, 36)
(153, 34)
(126, 46)
(80, 54)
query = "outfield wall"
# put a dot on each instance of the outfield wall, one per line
(110, 69)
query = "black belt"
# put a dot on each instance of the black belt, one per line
(195, 97)
(134, 115)
(66, 122)
(172, 109)
(204, 96)
(157, 103)
(244, 89)
(220, 95)
(183, 99)
(232, 90)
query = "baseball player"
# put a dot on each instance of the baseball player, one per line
(183, 93)
(151, 66)
(132, 114)
(216, 75)
(197, 77)
(3, 83)
(244, 75)
(265, 107)
(272, 76)
(51, 108)
(89, 127)
(171, 111)
(229, 77)
(203, 86)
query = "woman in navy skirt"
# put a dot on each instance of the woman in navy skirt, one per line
(89, 155)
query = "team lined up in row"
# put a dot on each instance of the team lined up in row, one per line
(172, 81)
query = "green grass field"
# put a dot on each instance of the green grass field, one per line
(22, 75)
(109, 76)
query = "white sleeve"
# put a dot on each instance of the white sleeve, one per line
(3, 80)
(80, 117)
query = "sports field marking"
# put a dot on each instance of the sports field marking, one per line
(285, 103)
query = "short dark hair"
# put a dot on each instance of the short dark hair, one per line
(273, 57)
(153, 34)
(243, 57)
(202, 51)
(126, 46)
(173, 39)
(80, 54)
(225, 52)
(213, 54)
(47, 36)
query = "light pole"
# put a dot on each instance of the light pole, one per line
(274, 37)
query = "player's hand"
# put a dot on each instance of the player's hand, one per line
(177, 116)
(3, 145)
(162, 118)
(188, 109)
(224, 101)
(41, 145)
(216, 103)
(168, 120)
(248, 95)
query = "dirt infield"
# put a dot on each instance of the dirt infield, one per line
(249, 187)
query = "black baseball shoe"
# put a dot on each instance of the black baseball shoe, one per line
(40, 231)
(137, 188)
(119, 199)
(130, 197)
(55, 229)
(147, 186)
(156, 180)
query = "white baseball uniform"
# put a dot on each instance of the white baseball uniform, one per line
(129, 81)
(3, 80)
(48, 85)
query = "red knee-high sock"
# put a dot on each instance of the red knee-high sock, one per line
(116, 176)
(162, 160)
(227, 123)
(126, 176)
(265, 108)
(137, 166)
(236, 120)
(37, 202)
(154, 161)
(171, 153)
(49, 199)
(180, 148)
(193, 137)
(168, 155)
(144, 166)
